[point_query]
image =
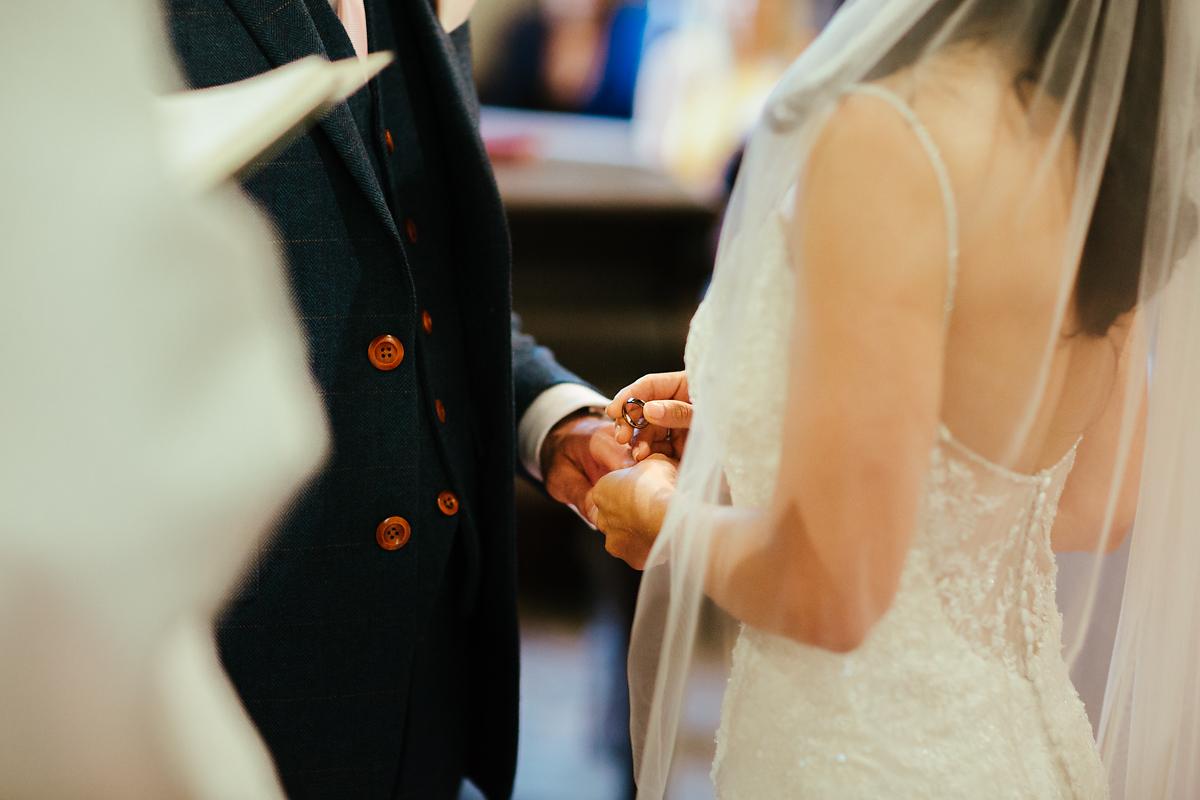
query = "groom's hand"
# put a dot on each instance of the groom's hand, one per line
(579, 451)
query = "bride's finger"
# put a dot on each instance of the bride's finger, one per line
(655, 386)
(650, 436)
(644, 450)
(589, 509)
(669, 413)
(653, 433)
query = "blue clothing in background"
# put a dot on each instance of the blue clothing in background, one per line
(517, 81)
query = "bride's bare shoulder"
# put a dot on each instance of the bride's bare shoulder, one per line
(863, 215)
(973, 118)
(877, 123)
(868, 160)
(866, 140)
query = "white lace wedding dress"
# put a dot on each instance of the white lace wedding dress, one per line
(960, 690)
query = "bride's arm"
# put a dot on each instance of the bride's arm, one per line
(823, 562)
(869, 249)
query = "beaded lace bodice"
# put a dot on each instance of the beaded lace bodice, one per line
(961, 689)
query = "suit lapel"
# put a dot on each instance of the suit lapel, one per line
(285, 33)
(457, 108)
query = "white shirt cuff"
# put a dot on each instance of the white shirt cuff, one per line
(547, 410)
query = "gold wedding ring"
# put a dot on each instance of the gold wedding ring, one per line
(640, 421)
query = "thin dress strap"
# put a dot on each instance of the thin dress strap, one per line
(939, 168)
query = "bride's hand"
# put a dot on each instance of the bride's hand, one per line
(668, 409)
(629, 505)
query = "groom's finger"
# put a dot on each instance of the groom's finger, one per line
(569, 487)
(606, 455)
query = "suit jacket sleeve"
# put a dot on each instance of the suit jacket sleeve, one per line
(534, 369)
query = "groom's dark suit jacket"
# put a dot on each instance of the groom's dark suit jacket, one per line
(376, 667)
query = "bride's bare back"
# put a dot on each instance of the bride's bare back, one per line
(1021, 383)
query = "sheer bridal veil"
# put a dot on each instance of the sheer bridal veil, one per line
(1098, 99)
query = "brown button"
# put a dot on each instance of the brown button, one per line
(386, 352)
(389, 141)
(440, 408)
(393, 533)
(410, 227)
(427, 321)
(448, 503)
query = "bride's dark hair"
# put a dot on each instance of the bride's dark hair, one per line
(1111, 265)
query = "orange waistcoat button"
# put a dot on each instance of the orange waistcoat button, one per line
(448, 503)
(385, 352)
(393, 533)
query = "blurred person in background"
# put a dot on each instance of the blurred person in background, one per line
(375, 641)
(157, 413)
(962, 232)
(708, 67)
(578, 56)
